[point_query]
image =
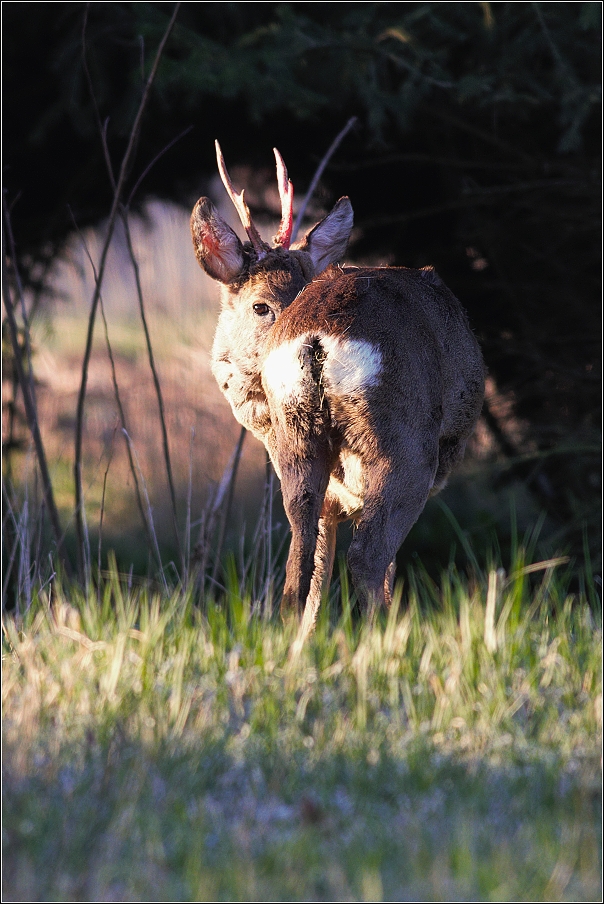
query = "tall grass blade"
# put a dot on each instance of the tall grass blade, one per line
(463, 539)
(490, 635)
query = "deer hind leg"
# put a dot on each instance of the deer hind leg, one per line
(392, 505)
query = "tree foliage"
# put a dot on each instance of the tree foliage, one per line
(477, 150)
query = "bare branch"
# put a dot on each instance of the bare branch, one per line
(227, 488)
(222, 500)
(32, 416)
(18, 283)
(319, 172)
(116, 392)
(153, 162)
(126, 160)
(156, 383)
(101, 516)
(149, 510)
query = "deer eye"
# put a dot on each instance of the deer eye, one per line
(261, 309)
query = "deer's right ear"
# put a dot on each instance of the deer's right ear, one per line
(217, 247)
(326, 242)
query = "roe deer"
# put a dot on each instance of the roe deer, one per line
(364, 385)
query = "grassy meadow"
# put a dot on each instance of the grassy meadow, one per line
(155, 749)
(163, 736)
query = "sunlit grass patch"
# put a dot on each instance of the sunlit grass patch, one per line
(154, 747)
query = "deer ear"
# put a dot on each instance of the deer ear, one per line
(217, 247)
(326, 242)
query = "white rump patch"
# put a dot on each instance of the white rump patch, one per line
(351, 365)
(282, 370)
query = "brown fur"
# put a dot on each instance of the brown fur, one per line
(364, 384)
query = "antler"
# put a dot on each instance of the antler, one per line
(241, 207)
(286, 193)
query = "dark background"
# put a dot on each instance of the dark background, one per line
(477, 149)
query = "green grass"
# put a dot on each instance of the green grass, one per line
(155, 750)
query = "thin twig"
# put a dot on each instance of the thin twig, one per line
(101, 516)
(227, 488)
(86, 551)
(319, 172)
(24, 316)
(32, 417)
(116, 391)
(150, 166)
(268, 567)
(156, 383)
(126, 160)
(149, 510)
(10, 515)
(102, 128)
(224, 491)
(39, 534)
(187, 563)
(24, 582)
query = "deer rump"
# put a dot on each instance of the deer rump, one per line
(364, 384)
(369, 411)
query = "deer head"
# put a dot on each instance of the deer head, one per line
(258, 283)
(363, 383)
(223, 256)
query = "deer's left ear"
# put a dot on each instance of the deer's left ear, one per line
(326, 242)
(217, 247)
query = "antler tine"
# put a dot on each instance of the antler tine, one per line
(240, 206)
(286, 193)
